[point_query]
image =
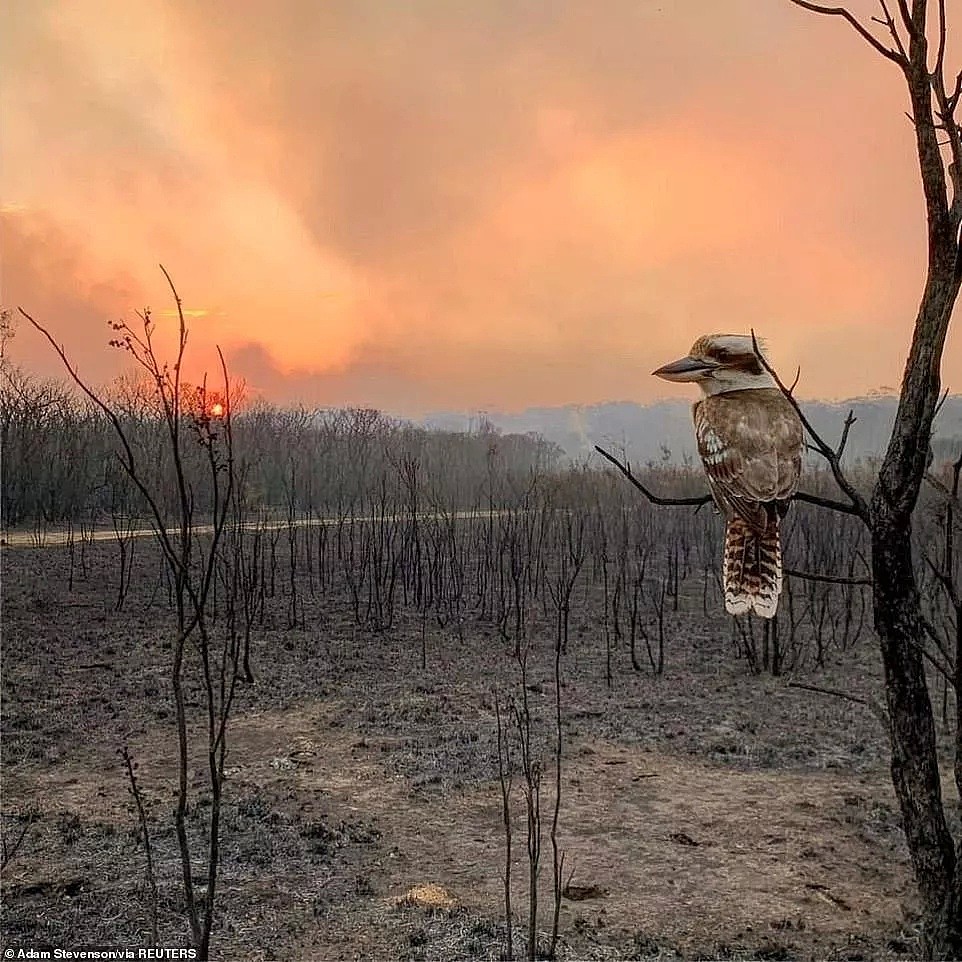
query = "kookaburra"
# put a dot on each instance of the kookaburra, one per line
(750, 440)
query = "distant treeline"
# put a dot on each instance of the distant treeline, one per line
(661, 433)
(60, 461)
(60, 457)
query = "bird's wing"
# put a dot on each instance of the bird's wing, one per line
(751, 445)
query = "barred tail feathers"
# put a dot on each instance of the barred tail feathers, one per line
(752, 567)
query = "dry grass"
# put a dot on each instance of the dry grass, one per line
(428, 896)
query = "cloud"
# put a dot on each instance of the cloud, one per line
(429, 204)
(45, 272)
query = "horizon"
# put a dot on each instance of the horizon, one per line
(433, 209)
(245, 399)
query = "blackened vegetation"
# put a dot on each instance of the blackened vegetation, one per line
(288, 864)
(362, 570)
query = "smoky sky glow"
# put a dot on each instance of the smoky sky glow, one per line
(463, 206)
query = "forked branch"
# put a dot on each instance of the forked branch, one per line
(832, 455)
(946, 104)
(698, 501)
(896, 56)
(625, 469)
(127, 457)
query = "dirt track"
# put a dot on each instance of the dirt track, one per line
(60, 537)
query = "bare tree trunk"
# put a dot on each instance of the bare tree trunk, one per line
(915, 768)
(900, 626)
(899, 621)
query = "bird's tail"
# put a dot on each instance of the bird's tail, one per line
(753, 567)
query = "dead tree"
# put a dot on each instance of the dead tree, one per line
(197, 655)
(899, 620)
(905, 36)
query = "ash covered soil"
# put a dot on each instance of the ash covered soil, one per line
(706, 813)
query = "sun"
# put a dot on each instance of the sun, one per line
(217, 410)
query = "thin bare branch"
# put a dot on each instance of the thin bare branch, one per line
(874, 706)
(889, 23)
(625, 469)
(942, 400)
(843, 507)
(893, 55)
(945, 573)
(939, 68)
(850, 419)
(946, 104)
(700, 500)
(942, 667)
(834, 692)
(831, 455)
(828, 579)
(127, 458)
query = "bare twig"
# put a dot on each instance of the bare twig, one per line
(842, 507)
(850, 419)
(504, 777)
(941, 404)
(698, 501)
(889, 23)
(131, 768)
(827, 579)
(910, 24)
(625, 469)
(128, 459)
(870, 703)
(557, 855)
(835, 692)
(831, 455)
(10, 849)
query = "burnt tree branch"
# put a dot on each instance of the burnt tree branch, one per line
(695, 502)
(827, 579)
(895, 56)
(832, 455)
(698, 501)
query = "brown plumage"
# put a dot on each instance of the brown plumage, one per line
(750, 441)
(752, 568)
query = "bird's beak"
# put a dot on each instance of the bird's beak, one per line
(685, 369)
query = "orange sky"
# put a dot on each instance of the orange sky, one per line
(436, 205)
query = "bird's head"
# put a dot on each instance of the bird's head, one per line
(720, 363)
